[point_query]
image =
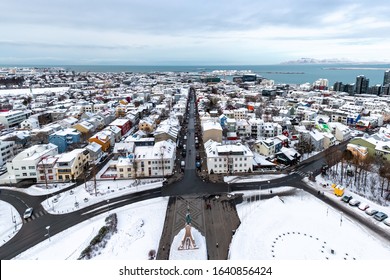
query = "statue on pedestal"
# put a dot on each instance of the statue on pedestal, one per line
(188, 242)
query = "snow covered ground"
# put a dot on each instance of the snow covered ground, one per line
(252, 178)
(300, 227)
(139, 230)
(10, 222)
(26, 91)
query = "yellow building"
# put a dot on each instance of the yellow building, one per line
(71, 165)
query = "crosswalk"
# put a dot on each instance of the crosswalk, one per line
(302, 174)
(35, 216)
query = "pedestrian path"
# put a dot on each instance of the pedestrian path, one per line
(35, 216)
(215, 217)
(302, 174)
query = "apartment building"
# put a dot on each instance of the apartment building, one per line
(13, 118)
(148, 161)
(228, 159)
(24, 165)
(6, 151)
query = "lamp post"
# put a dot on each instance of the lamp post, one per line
(48, 232)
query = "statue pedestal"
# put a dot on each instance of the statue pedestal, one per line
(188, 242)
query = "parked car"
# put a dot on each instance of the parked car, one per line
(371, 211)
(197, 157)
(346, 198)
(183, 153)
(354, 202)
(380, 216)
(387, 222)
(363, 206)
(28, 213)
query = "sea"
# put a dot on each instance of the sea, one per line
(280, 73)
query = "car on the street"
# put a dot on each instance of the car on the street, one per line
(387, 222)
(28, 213)
(363, 206)
(371, 211)
(346, 198)
(354, 202)
(380, 216)
(197, 157)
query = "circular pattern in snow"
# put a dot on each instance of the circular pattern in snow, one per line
(311, 246)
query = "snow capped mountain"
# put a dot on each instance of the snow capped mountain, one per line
(308, 60)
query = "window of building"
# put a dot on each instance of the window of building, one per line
(128, 169)
(42, 178)
(33, 174)
(51, 177)
(31, 167)
(23, 167)
(60, 177)
(120, 169)
(24, 174)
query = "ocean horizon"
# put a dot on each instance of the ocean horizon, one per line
(280, 73)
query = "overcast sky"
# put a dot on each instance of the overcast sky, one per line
(197, 32)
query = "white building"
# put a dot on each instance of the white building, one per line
(7, 151)
(147, 161)
(30, 123)
(12, 118)
(24, 165)
(228, 158)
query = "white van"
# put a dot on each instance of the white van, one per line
(182, 164)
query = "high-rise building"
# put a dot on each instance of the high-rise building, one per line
(361, 85)
(386, 78)
(338, 86)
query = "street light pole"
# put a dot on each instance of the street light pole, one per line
(48, 232)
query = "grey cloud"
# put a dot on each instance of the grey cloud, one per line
(175, 16)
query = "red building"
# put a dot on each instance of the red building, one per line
(123, 124)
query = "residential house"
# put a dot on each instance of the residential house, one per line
(212, 131)
(47, 170)
(243, 128)
(288, 156)
(123, 149)
(103, 138)
(64, 138)
(85, 128)
(69, 122)
(146, 125)
(165, 131)
(116, 134)
(329, 140)
(268, 147)
(30, 123)
(317, 140)
(228, 159)
(72, 164)
(123, 124)
(95, 151)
